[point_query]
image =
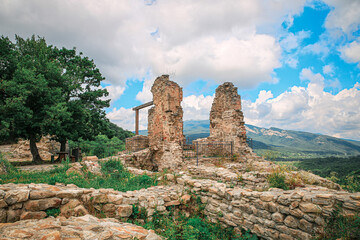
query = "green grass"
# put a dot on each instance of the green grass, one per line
(114, 175)
(340, 227)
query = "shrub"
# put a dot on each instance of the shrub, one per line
(177, 226)
(352, 182)
(277, 180)
(6, 165)
(102, 146)
(112, 166)
(54, 212)
(234, 157)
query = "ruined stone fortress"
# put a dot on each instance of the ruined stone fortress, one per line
(235, 192)
(163, 146)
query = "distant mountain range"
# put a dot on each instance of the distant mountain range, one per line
(286, 143)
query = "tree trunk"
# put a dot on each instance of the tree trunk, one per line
(34, 151)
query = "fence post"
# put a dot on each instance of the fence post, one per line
(197, 154)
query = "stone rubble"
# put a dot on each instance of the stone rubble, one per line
(253, 175)
(21, 150)
(85, 227)
(85, 166)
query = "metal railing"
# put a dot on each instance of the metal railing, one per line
(208, 149)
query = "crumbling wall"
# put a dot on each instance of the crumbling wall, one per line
(227, 120)
(136, 143)
(21, 150)
(165, 124)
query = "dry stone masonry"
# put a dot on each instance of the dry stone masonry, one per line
(85, 227)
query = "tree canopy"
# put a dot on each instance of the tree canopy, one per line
(46, 90)
(83, 115)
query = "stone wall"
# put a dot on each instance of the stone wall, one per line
(85, 227)
(136, 143)
(21, 150)
(30, 201)
(165, 127)
(272, 214)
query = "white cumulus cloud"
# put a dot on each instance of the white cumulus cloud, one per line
(308, 109)
(328, 69)
(344, 16)
(125, 118)
(219, 40)
(114, 92)
(351, 52)
(197, 107)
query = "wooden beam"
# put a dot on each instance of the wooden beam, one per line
(137, 122)
(136, 109)
(143, 106)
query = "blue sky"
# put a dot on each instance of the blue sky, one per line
(296, 63)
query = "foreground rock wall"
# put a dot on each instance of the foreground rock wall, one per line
(30, 201)
(165, 127)
(86, 227)
(273, 214)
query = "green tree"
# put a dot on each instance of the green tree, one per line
(113, 130)
(83, 115)
(30, 89)
(46, 90)
(7, 69)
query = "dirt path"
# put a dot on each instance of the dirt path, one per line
(42, 167)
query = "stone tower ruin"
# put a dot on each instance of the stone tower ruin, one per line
(165, 124)
(227, 120)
